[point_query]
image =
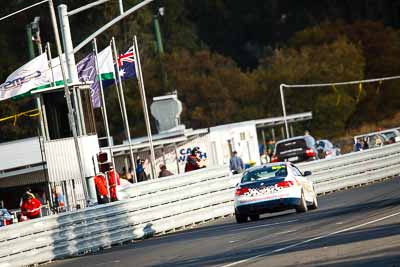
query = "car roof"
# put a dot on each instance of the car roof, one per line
(295, 138)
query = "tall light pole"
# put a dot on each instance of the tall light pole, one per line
(157, 31)
(68, 98)
(36, 32)
(284, 110)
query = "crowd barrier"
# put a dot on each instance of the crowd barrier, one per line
(169, 204)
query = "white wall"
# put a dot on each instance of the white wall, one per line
(243, 139)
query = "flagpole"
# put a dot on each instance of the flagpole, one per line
(117, 85)
(103, 102)
(144, 103)
(124, 115)
(40, 106)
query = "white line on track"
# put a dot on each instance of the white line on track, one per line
(311, 240)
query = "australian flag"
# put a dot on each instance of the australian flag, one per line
(126, 67)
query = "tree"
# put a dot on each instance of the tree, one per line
(338, 61)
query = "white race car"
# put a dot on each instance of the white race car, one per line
(273, 187)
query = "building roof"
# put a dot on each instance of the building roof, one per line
(20, 155)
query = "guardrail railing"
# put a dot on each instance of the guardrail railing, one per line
(169, 204)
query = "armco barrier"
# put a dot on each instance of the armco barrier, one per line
(168, 204)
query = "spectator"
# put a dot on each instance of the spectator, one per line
(357, 145)
(140, 173)
(164, 172)
(59, 202)
(113, 182)
(101, 188)
(378, 142)
(193, 161)
(236, 163)
(28, 191)
(130, 175)
(30, 207)
(270, 149)
(365, 144)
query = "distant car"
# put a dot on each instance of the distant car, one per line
(5, 217)
(378, 139)
(391, 134)
(273, 187)
(326, 149)
(295, 149)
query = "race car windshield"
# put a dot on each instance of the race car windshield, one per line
(265, 173)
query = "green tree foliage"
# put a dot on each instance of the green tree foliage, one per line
(212, 88)
(313, 64)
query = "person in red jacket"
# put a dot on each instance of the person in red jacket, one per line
(101, 188)
(113, 182)
(30, 206)
(193, 161)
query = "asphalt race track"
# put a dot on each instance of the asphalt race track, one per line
(357, 227)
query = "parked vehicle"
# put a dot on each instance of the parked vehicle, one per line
(273, 187)
(5, 217)
(380, 138)
(326, 149)
(296, 149)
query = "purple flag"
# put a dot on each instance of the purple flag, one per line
(87, 72)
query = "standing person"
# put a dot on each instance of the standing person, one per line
(28, 191)
(357, 145)
(113, 182)
(270, 149)
(30, 206)
(140, 173)
(164, 172)
(59, 202)
(193, 161)
(236, 163)
(129, 175)
(365, 144)
(101, 188)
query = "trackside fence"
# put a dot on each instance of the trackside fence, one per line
(160, 206)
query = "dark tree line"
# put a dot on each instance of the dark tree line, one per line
(227, 58)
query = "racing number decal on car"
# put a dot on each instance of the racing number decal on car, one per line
(253, 192)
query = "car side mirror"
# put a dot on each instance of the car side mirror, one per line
(307, 173)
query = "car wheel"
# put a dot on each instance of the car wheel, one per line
(240, 218)
(303, 205)
(255, 217)
(314, 205)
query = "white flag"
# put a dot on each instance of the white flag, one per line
(106, 65)
(31, 75)
(104, 59)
